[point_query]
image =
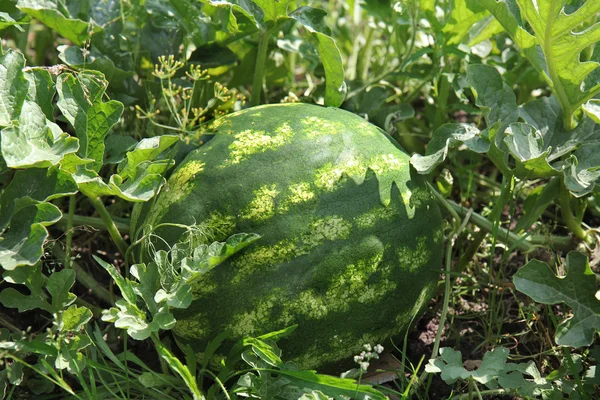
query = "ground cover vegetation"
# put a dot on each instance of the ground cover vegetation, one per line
(496, 103)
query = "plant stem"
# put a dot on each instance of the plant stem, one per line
(110, 225)
(512, 239)
(69, 230)
(122, 224)
(259, 69)
(567, 214)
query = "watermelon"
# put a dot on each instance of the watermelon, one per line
(351, 239)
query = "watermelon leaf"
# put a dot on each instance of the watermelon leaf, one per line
(313, 19)
(80, 99)
(555, 46)
(493, 371)
(577, 289)
(32, 278)
(13, 86)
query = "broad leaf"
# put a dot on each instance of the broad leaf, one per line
(141, 184)
(463, 15)
(36, 183)
(32, 278)
(41, 90)
(561, 39)
(313, 19)
(81, 102)
(74, 318)
(582, 171)
(22, 243)
(59, 284)
(55, 15)
(496, 100)
(13, 86)
(450, 365)
(273, 10)
(526, 145)
(577, 290)
(445, 138)
(35, 141)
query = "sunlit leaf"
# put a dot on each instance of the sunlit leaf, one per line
(13, 86)
(56, 16)
(35, 141)
(80, 98)
(313, 19)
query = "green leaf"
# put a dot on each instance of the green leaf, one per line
(141, 184)
(494, 97)
(270, 354)
(32, 278)
(74, 318)
(582, 170)
(338, 388)
(81, 102)
(36, 183)
(577, 290)
(59, 19)
(117, 147)
(146, 150)
(445, 138)
(147, 275)
(556, 32)
(59, 284)
(526, 145)
(450, 365)
(507, 13)
(125, 285)
(22, 243)
(313, 19)
(592, 110)
(273, 10)
(545, 115)
(561, 40)
(13, 86)
(35, 141)
(463, 15)
(41, 90)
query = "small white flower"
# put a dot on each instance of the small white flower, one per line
(367, 347)
(398, 7)
(364, 365)
(378, 348)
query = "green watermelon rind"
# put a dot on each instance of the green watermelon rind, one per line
(351, 237)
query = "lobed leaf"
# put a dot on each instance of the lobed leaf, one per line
(22, 243)
(80, 99)
(577, 290)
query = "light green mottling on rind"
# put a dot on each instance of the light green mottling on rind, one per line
(340, 216)
(269, 257)
(262, 205)
(250, 142)
(414, 258)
